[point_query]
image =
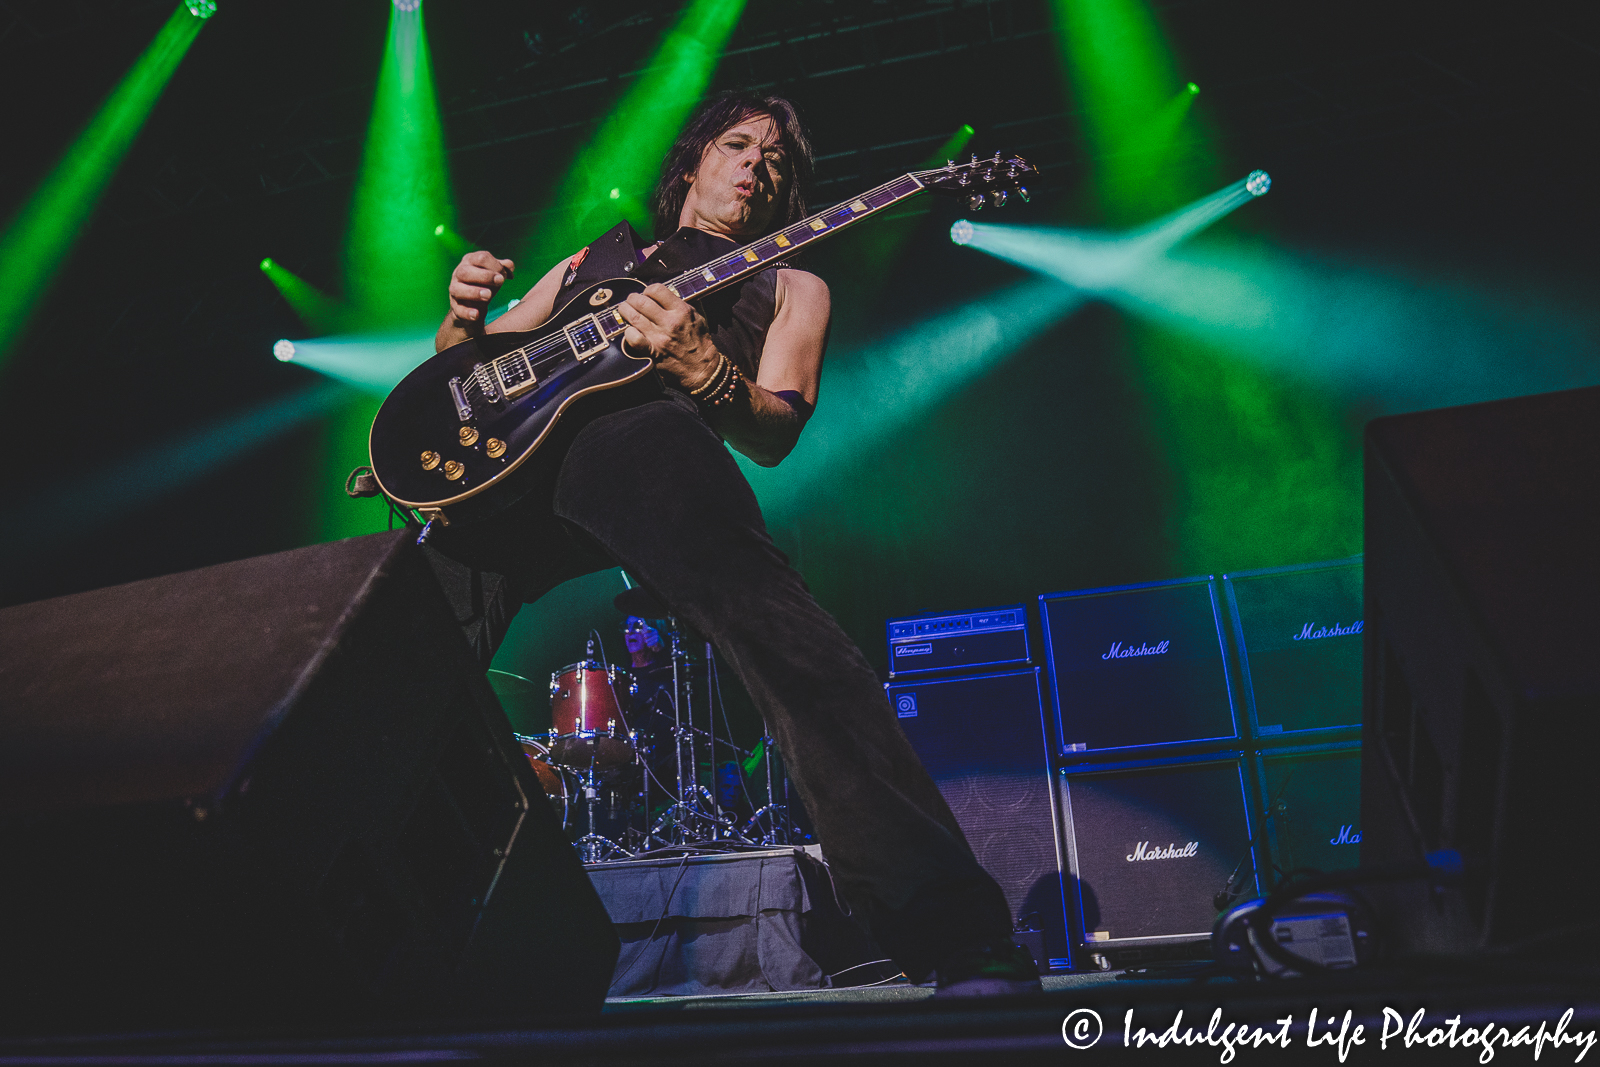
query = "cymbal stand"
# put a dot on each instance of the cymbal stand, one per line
(687, 820)
(771, 824)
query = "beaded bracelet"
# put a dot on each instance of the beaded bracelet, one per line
(716, 381)
(727, 391)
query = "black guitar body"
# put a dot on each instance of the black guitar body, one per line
(455, 440)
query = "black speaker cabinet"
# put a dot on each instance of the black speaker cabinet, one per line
(1138, 665)
(1298, 631)
(271, 790)
(1149, 847)
(1312, 800)
(982, 740)
(1482, 676)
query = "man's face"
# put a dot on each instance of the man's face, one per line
(639, 635)
(742, 180)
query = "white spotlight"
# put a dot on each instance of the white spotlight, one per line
(961, 231)
(284, 350)
(1258, 182)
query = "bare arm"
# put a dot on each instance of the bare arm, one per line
(476, 279)
(755, 421)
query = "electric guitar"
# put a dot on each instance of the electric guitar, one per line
(456, 440)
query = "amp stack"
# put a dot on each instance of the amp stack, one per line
(969, 699)
(1179, 746)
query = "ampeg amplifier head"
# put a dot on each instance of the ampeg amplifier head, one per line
(1299, 634)
(1150, 848)
(993, 637)
(1138, 665)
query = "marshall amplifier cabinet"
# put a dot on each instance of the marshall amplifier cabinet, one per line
(1299, 636)
(1149, 848)
(982, 739)
(1313, 807)
(997, 637)
(1138, 665)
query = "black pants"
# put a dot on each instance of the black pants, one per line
(652, 488)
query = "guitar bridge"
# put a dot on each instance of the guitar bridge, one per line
(457, 394)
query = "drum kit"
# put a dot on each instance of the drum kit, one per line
(623, 759)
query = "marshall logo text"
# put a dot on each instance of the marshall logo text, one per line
(1172, 852)
(1311, 631)
(1121, 651)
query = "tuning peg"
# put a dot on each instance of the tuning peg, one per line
(975, 202)
(974, 159)
(998, 198)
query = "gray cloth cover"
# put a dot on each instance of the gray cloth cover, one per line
(709, 924)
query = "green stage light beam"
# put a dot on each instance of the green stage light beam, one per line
(315, 308)
(373, 364)
(1100, 263)
(878, 389)
(39, 238)
(625, 154)
(396, 268)
(952, 148)
(1372, 331)
(1122, 73)
(73, 508)
(453, 242)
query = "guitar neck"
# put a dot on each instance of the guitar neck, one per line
(758, 255)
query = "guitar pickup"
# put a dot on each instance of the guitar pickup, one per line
(585, 337)
(515, 374)
(457, 394)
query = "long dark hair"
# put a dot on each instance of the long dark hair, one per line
(722, 113)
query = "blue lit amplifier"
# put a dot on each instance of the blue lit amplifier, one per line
(995, 637)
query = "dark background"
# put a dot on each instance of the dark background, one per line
(1453, 140)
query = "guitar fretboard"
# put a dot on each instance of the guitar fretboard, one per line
(776, 246)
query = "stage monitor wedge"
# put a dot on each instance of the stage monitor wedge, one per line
(1482, 706)
(275, 790)
(1138, 666)
(1298, 632)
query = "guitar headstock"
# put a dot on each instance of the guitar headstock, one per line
(984, 182)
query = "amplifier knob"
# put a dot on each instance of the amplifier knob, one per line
(453, 470)
(430, 460)
(469, 436)
(495, 447)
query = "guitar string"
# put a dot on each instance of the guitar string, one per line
(799, 234)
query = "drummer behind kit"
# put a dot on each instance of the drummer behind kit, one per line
(623, 750)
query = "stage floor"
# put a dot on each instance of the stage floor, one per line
(908, 1024)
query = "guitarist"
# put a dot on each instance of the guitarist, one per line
(742, 367)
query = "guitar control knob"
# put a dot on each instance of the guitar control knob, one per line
(975, 202)
(1022, 191)
(453, 470)
(469, 436)
(495, 447)
(998, 197)
(430, 460)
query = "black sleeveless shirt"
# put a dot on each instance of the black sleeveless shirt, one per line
(738, 316)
